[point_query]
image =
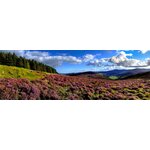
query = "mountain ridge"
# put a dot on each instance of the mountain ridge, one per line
(122, 73)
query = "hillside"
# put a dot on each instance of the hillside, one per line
(124, 73)
(145, 75)
(16, 72)
(112, 74)
(89, 74)
(81, 73)
(62, 87)
(10, 59)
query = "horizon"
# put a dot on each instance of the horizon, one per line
(107, 70)
(75, 61)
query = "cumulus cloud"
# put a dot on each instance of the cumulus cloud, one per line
(148, 61)
(88, 57)
(47, 59)
(98, 62)
(121, 60)
(121, 57)
(53, 61)
(144, 51)
(95, 62)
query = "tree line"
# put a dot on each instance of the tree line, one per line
(10, 59)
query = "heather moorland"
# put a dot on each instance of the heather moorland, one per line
(23, 78)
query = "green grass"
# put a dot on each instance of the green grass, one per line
(113, 77)
(16, 72)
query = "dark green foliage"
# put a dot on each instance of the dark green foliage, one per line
(10, 59)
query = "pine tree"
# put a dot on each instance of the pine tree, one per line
(10, 59)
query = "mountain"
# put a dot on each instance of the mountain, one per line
(81, 73)
(145, 75)
(124, 73)
(112, 73)
(89, 74)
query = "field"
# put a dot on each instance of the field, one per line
(16, 72)
(61, 87)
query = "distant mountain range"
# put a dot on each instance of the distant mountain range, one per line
(145, 75)
(125, 73)
(121, 74)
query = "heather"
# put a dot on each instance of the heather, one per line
(54, 87)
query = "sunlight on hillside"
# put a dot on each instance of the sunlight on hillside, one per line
(15, 72)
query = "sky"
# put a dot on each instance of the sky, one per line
(70, 61)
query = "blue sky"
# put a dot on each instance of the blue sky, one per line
(67, 67)
(68, 61)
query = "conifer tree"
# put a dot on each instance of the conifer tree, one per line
(10, 59)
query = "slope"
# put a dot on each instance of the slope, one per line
(16, 72)
(145, 75)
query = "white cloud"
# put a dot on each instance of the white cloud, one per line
(122, 56)
(120, 60)
(148, 61)
(144, 51)
(53, 61)
(47, 59)
(17, 52)
(88, 57)
(132, 63)
(95, 62)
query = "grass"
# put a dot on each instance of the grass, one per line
(16, 72)
(113, 77)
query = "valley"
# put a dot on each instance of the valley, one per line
(24, 84)
(29, 79)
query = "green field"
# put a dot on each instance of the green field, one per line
(16, 72)
(113, 77)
